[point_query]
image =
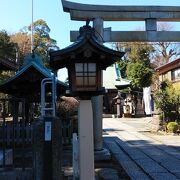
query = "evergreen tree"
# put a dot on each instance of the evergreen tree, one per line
(136, 64)
(7, 48)
(43, 43)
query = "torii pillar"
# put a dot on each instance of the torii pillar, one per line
(97, 106)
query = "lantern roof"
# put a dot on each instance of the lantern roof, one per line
(85, 49)
(27, 80)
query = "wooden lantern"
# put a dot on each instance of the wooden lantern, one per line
(85, 60)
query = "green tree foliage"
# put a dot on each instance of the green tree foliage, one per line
(43, 43)
(7, 51)
(139, 74)
(136, 64)
(140, 53)
(7, 48)
(123, 66)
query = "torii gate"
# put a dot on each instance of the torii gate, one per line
(150, 14)
(99, 13)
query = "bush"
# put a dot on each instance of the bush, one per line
(167, 101)
(67, 106)
(172, 127)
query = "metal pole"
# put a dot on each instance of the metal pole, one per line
(43, 95)
(32, 34)
(23, 134)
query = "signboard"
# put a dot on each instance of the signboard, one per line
(47, 131)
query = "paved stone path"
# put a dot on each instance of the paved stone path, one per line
(142, 155)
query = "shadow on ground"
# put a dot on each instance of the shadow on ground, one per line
(151, 160)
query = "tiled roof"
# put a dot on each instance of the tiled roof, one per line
(24, 82)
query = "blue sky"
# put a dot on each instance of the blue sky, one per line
(16, 14)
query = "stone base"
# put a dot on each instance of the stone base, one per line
(155, 123)
(108, 173)
(100, 155)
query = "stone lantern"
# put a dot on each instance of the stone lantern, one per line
(85, 60)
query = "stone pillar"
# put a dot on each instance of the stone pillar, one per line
(39, 160)
(151, 24)
(97, 101)
(86, 145)
(97, 105)
(119, 113)
(98, 25)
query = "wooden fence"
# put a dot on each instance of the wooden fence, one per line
(22, 135)
(17, 134)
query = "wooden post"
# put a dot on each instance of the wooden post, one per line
(48, 168)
